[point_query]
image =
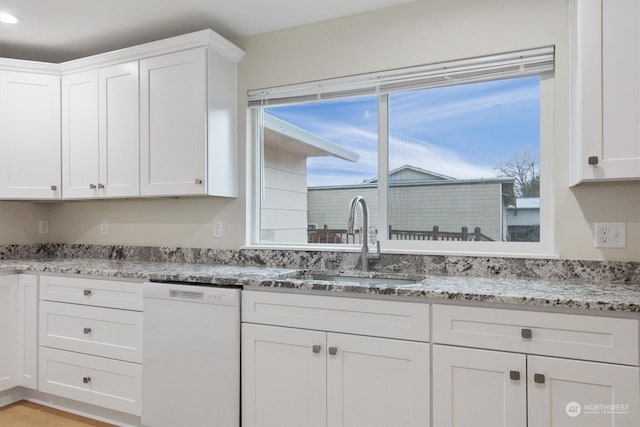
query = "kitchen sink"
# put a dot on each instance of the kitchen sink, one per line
(358, 280)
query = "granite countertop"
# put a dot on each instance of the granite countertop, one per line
(589, 295)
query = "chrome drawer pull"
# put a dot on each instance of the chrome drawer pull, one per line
(526, 333)
(86, 380)
(86, 331)
(514, 375)
(87, 292)
(538, 378)
(333, 351)
(316, 348)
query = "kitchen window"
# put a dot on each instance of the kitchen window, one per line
(449, 157)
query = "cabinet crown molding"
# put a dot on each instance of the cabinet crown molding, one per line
(203, 38)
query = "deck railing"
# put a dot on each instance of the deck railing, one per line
(336, 235)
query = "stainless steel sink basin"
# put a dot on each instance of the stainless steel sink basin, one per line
(358, 280)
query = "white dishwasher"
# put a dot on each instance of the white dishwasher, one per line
(191, 356)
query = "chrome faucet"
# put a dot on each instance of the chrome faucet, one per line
(365, 230)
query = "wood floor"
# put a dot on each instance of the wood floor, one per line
(27, 414)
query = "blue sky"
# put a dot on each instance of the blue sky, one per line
(463, 131)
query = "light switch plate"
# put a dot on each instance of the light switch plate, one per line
(43, 226)
(217, 229)
(104, 227)
(610, 235)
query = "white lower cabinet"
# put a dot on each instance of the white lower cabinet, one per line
(284, 378)
(478, 388)
(503, 384)
(297, 377)
(376, 381)
(8, 332)
(28, 330)
(18, 331)
(566, 393)
(91, 341)
(303, 377)
(109, 383)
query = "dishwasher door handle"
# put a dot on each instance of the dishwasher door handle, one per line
(176, 293)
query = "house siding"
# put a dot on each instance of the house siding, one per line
(417, 207)
(284, 200)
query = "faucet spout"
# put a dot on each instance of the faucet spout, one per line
(359, 200)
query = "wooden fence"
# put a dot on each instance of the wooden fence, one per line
(335, 235)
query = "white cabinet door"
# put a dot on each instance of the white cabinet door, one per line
(119, 131)
(574, 393)
(28, 330)
(283, 377)
(476, 388)
(173, 117)
(9, 354)
(29, 136)
(80, 154)
(606, 59)
(377, 381)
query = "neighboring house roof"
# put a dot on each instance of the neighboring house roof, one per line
(310, 144)
(408, 173)
(526, 203)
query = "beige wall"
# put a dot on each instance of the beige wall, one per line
(19, 222)
(420, 32)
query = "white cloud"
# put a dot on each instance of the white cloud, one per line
(436, 159)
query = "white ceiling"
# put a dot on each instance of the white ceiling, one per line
(60, 30)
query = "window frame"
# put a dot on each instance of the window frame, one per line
(545, 248)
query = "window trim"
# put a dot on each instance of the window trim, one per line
(545, 248)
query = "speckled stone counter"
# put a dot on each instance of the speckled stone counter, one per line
(564, 294)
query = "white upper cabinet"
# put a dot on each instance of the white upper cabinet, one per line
(173, 111)
(606, 90)
(80, 134)
(119, 139)
(100, 138)
(188, 127)
(158, 119)
(187, 136)
(29, 136)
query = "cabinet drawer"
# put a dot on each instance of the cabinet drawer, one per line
(96, 292)
(106, 332)
(392, 319)
(103, 382)
(553, 334)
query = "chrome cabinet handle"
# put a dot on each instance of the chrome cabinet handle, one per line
(526, 333)
(87, 292)
(100, 186)
(316, 348)
(54, 188)
(514, 375)
(92, 186)
(86, 380)
(198, 181)
(538, 378)
(333, 351)
(86, 331)
(592, 160)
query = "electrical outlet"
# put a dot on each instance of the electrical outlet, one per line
(43, 226)
(217, 229)
(610, 235)
(104, 227)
